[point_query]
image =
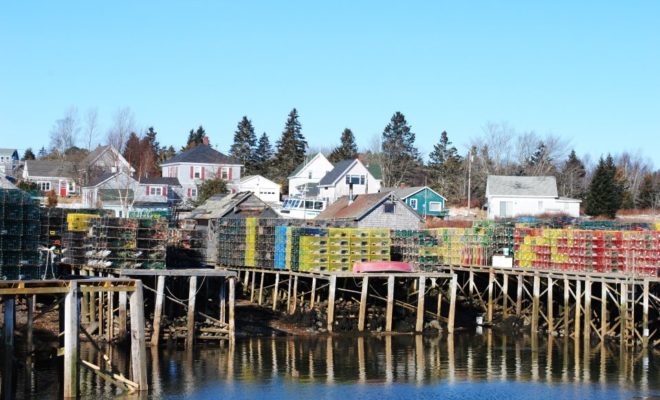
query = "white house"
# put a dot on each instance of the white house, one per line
(106, 159)
(305, 178)
(192, 167)
(347, 175)
(265, 189)
(111, 191)
(57, 175)
(8, 160)
(513, 196)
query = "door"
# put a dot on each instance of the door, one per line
(505, 209)
(63, 188)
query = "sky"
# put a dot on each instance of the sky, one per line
(586, 71)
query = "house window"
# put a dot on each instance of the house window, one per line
(72, 187)
(412, 203)
(355, 179)
(156, 191)
(197, 172)
(540, 205)
(193, 192)
(309, 176)
(224, 173)
(435, 206)
(44, 186)
(388, 208)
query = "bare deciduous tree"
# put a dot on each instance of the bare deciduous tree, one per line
(123, 125)
(91, 127)
(65, 131)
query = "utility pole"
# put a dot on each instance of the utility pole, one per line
(469, 181)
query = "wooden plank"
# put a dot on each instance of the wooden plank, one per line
(192, 294)
(138, 340)
(71, 325)
(199, 272)
(158, 309)
(331, 302)
(363, 303)
(452, 304)
(421, 294)
(232, 301)
(275, 290)
(122, 324)
(390, 303)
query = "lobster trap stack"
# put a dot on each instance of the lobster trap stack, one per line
(19, 235)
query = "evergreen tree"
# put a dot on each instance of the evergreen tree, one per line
(605, 191)
(446, 169)
(649, 193)
(400, 157)
(571, 178)
(290, 148)
(347, 150)
(195, 138)
(209, 188)
(132, 151)
(165, 153)
(42, 152)
(28, 155)
(263, 157)
(540, 162)
(245, 144)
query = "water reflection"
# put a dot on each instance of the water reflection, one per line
(292, 365)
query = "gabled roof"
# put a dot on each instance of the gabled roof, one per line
(521, 186)
(248, 178)
(100, 179)
(406, 192)
(361, 206)
(302, 165)
(6, 184)
(116, 176)
(243, 203)
(94, 154)
(8, 152)
(202, 154)
(337, 172)
(160, 180)
(50, 168)
(375, 170)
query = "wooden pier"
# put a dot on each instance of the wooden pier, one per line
(289, 290)
(71, 294)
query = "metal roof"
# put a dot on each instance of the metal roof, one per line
(521, 186)
(202, 154)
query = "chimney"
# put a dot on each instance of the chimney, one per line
(350, 194)
(402, 185)
(205, 140)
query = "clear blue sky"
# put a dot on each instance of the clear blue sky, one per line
(587, 71)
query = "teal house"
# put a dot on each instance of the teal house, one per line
(423, 199)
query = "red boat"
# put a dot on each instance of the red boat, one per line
(383, 266)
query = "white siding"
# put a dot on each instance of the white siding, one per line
(207, 171)
(313, 172)
(341, 188)
(519, 206)
(265, 189)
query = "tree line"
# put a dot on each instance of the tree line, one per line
(613, 182)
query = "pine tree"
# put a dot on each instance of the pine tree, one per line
(290, 148)
(28, 155)
(263, 157)
(605, 191)
(42, 153)
(165, 153)
(195, 138)
(649, 193)
(446, 170)
(244, 147)
(400, 157)
(572, 176)
(347, 150)
(540, 162)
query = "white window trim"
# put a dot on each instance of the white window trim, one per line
(193, 193)
(432, 204)
(197, 172)
(44, 186)
(224, 173)
(155, 191)
(412, 203)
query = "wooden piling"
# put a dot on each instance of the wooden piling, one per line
(294, 304)
(578, 300)
(138, 340)
(491, 287)
(567, 307)
(452, 304)
(275, 290)
(535, 304)
(110, 327)
(261, 289)
(312, 295)
(192, 292)
(222, 300)
(505, 295)
(331, 302)
(519, 293)
(158, 309)
(30, 300)
(551, 316)
(390, 303)
(603, 311)
(122, 315)
(363, 303)
(232, 303)
(587, 311)
(623, 304)
(645, 314)
(288, 294)
(252, 293)
(421, 292)
(71, 326)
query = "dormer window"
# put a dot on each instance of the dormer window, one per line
(156, 191)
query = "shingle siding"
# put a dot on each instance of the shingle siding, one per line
(401, 218)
